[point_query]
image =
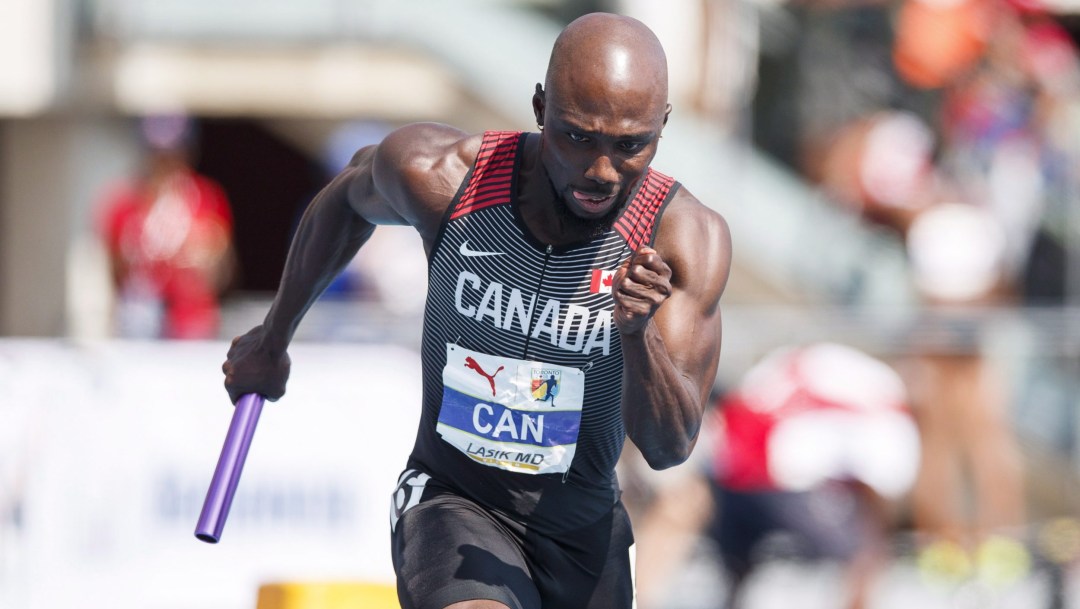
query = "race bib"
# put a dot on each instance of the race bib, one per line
(511, 414)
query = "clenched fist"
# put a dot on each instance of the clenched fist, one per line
(252, 368)
(641, 285)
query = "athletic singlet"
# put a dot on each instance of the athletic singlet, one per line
(522, 361)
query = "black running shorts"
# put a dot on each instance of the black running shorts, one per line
(819, 524)
(448, 549)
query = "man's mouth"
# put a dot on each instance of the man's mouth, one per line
(593, 201)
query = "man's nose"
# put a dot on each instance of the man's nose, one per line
(602, 170)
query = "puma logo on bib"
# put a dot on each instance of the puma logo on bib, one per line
(512, 414)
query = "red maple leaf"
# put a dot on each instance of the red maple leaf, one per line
(607, 280)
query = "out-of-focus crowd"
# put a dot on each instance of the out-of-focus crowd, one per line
(954, 126)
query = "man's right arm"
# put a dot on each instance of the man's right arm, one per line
(330, 233)
(406, 179)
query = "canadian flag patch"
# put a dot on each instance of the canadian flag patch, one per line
(601, 281)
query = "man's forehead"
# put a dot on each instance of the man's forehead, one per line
(617, 71)
(580, 101)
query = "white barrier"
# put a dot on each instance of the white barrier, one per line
(106, 453)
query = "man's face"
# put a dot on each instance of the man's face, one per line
(596, 147)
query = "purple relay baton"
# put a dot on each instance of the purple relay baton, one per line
(231, 462)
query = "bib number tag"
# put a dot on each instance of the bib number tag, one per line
(516, 415)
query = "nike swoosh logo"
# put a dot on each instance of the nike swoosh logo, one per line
(465, 251)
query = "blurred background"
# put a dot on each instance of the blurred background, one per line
(895, 415)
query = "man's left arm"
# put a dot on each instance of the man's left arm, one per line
(667, 309)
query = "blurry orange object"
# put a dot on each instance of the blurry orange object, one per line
(327, 595)
(937, 40)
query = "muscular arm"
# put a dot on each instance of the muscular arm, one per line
(329, 235)
(409, 178)
(670, 358)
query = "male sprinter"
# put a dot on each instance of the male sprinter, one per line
(561, 265)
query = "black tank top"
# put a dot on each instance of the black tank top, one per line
(494, 289)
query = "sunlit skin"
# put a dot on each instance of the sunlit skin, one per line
(601, 109)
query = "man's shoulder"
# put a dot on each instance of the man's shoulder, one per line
(693, 235)
(417, 169)
(685, 212)
(430, 144)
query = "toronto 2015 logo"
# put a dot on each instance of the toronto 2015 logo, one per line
(545, 384)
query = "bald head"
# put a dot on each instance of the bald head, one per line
(609, 54)
(601, 113)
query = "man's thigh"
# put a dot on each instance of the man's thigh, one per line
(447, 549)
(588, 568)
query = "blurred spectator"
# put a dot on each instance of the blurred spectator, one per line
(1052, 58)
(1006, 129)
(969, 499)
(391, 269)
(971, 249)
(881, 166)
(168, 233)
(845, 74)
(815, 448)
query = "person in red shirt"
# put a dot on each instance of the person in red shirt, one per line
(168, 234)
(814, 444)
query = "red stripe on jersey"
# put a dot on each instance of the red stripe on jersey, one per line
(492, 174)
(638, 221)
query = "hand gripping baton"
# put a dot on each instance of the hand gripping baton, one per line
(231, 462)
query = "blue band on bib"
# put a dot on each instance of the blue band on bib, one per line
(497, 422)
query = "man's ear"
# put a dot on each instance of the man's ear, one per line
(667, 113)
(538, 105)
